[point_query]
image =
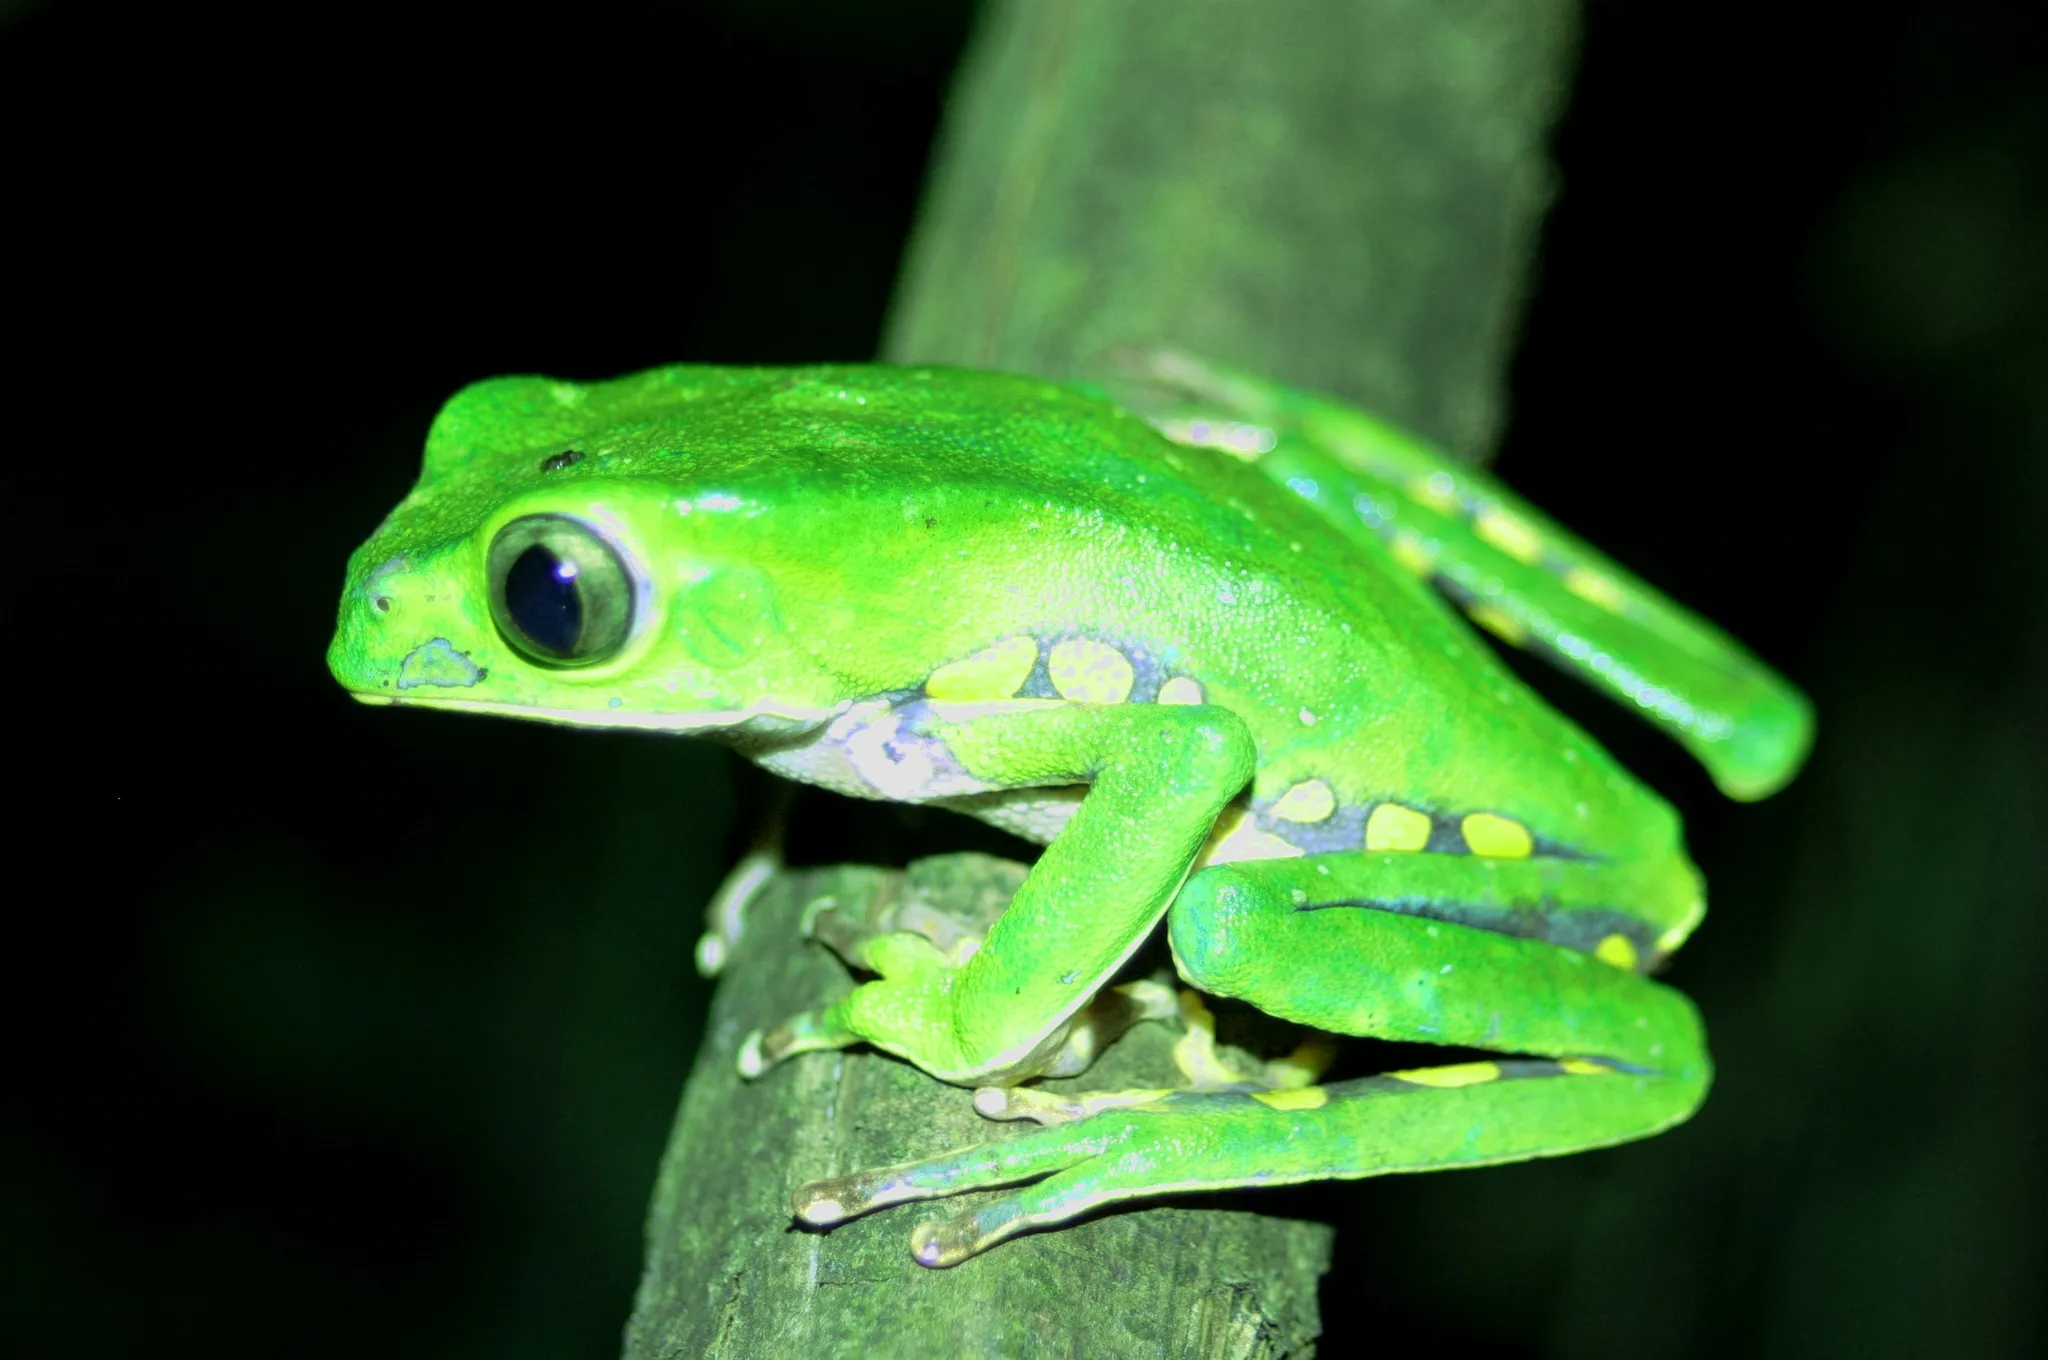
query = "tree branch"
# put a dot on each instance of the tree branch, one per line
(1342, 196)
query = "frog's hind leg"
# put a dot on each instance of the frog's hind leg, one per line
(1512, 570)
(1604, 1055)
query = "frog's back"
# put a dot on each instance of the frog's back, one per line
(1113, 546)
(998, 508)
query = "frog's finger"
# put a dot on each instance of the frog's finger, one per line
(807, 1032)
(725, 915)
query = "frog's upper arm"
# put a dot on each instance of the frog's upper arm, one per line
(1511, 569)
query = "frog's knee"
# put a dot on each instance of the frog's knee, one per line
(1206, 927)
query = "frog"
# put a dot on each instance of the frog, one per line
(1220, 646)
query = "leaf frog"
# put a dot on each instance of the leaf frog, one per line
(1205, 657)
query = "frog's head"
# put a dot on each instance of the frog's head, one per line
(578, 554)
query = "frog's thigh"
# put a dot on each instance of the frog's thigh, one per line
(1301, 939)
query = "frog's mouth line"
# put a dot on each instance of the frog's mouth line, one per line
(765, 716)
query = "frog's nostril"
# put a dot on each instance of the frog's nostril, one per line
(381, 603)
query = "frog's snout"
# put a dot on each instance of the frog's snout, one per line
(390, 638)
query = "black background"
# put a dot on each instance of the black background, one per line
(339, 1031)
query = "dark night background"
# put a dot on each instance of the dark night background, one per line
(342, 1031)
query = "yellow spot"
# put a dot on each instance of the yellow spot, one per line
(1618, 950)
(1393, 827)
(1437, 490)
(1412, 553)
(1498, 622)
(1089, 672)
(1510, 533)
(1236, 837)
(1595, 588)
(1497, 837)
(1309, 801)
(1180, 690)
(1579, 1067)
(994, 673)
(1458, 1074)
(1301, 1098)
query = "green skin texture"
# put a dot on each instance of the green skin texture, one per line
(808, 546)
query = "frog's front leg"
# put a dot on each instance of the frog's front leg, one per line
(1158, 776)
(1617, 1057)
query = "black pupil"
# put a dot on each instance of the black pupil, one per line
(541, 597)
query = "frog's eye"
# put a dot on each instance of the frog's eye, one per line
(559, 592)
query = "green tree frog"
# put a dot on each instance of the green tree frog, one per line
(1204, 657)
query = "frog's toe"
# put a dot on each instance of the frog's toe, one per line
(1137, 1143)
(1004, 1162)
(943, 1242)
(949, 1241)
(1049, 1107)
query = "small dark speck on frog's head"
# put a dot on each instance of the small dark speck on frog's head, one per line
(555, 462)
